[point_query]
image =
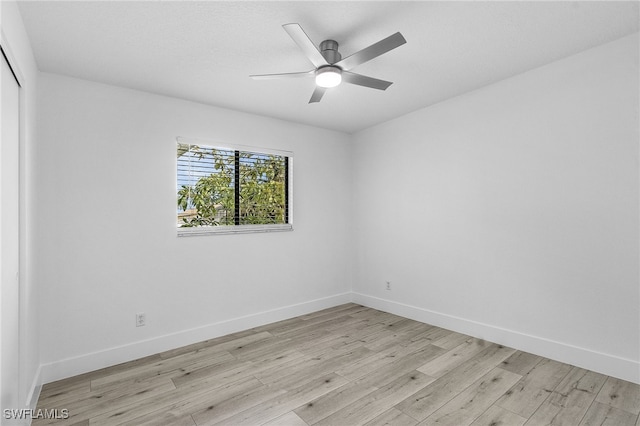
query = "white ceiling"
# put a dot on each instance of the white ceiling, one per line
(205, 51)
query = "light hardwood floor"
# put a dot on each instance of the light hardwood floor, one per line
(348, 365)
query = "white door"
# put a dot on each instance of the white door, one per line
(9, 240)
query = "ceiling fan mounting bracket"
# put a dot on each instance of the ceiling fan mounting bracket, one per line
(329, 50)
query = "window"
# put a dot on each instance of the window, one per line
(231, 189)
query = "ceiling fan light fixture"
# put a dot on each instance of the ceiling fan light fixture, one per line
(328, 77)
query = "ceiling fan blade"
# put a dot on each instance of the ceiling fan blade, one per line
(363, 80)
(317, 94)
(303, 41)
(373, 51)
(285, 75)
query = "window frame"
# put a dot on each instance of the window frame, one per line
(240, 229)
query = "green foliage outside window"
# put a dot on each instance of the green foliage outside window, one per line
(221, 187)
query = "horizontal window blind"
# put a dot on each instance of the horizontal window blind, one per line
(222, 187)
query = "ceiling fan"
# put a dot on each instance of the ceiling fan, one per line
(330, 69)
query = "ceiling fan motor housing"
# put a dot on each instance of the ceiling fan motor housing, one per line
(329, 50)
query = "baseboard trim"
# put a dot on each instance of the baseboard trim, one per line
(94, 361)
(610, 365)
(34, 390)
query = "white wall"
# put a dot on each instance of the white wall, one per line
(107, 242)
(511, 212)
(16, 42)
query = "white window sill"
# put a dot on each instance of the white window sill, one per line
(230, 229)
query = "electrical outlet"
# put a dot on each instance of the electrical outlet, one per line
(388, 285)
(141, 319)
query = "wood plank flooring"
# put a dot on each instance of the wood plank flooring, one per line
(347, 365)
